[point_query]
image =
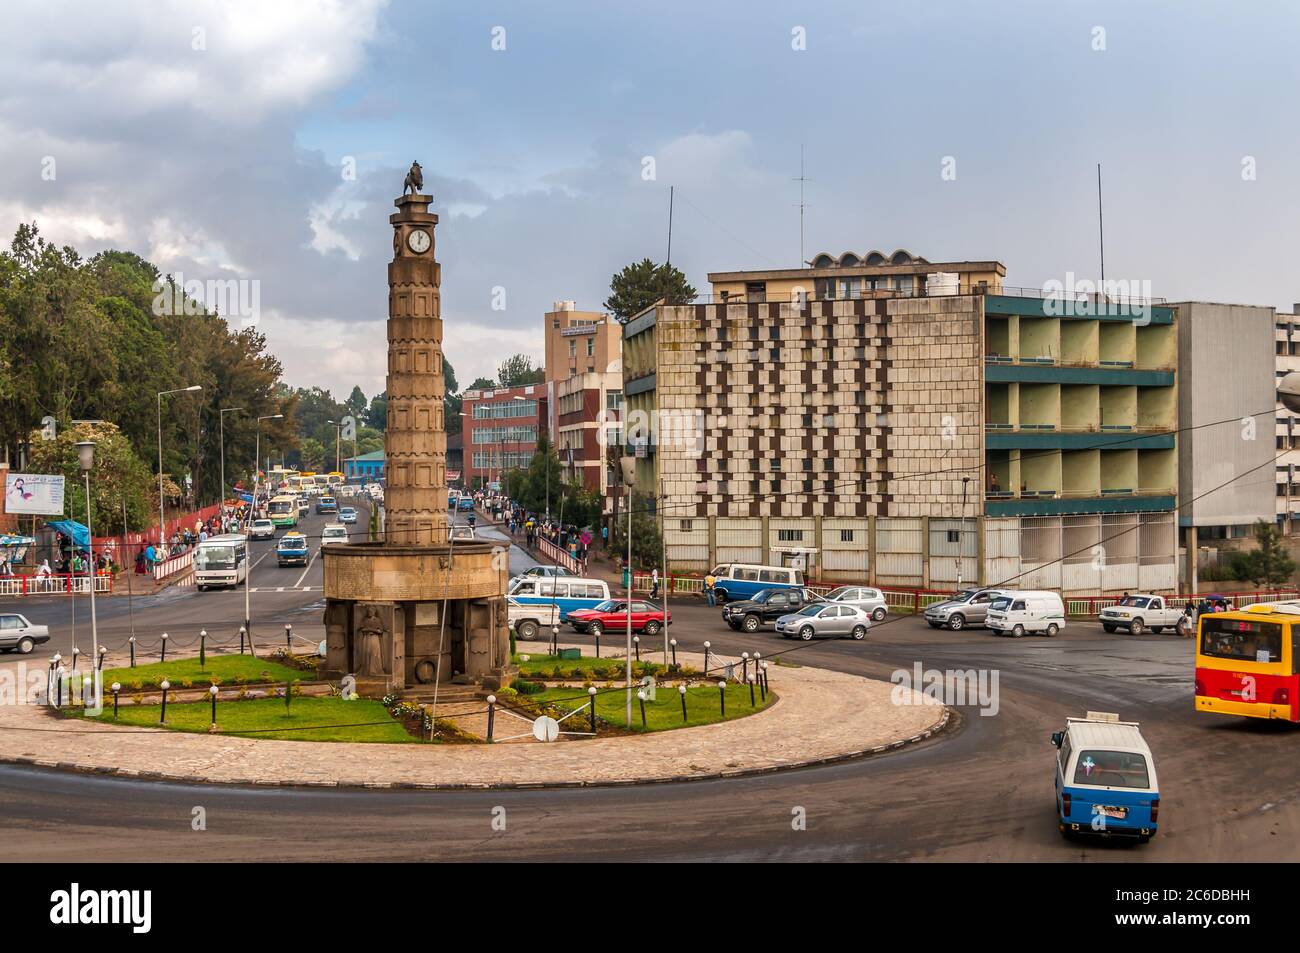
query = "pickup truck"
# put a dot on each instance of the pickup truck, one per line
(529, 621)
(17, 634)
(1139, 613)
(768, 605)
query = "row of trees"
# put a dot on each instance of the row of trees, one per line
(98, 339)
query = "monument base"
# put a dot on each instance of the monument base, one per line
(402, 618)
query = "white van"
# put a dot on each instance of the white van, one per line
(736, 581)
(566, 592)
(1031, 610)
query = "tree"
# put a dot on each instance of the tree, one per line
(377, 413)
(483, 383)
(647, 547)
(518, 370)
(641, 284)
(118, 476)
(1270, 564)
(98, 339)
(356, 403)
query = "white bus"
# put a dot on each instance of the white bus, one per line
(221, 561)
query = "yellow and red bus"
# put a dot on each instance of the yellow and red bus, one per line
(1246, 661)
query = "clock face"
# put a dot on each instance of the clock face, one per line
(418, 241)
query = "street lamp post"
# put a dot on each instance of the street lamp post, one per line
(221, 418)
(86, 452)
(338, 436)
(162, 521)
(257, 482)
(961, 535)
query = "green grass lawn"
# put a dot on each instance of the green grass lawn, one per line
(665, 712)
(226, 668)
(306, 719)
(540, 663)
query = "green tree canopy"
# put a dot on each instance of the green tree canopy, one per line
(642, 283)
(518, 370)
(118, 477)
(1270, 564)
(99, 339)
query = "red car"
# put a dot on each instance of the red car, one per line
(611, 616)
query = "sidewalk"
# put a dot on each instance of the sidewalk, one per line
(819, 717)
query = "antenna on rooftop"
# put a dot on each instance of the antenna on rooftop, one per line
(802, 205)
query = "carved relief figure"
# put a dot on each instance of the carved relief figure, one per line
(370, 644)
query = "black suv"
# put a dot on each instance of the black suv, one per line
(767, 606)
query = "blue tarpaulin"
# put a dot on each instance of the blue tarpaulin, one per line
(80, 535)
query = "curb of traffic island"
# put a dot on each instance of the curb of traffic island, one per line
(946, 722)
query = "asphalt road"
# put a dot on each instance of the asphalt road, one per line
(982, 791)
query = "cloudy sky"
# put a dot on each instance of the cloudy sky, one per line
(218, 140)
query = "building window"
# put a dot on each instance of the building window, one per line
(789, 535)
(591, 347)
(573, 348)
(686, 526)
(954, 536)
(846, 536)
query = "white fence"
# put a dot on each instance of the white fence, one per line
(173, 565)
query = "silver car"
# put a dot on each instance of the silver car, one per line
(871, 601)
(968, 607)
(825, 621)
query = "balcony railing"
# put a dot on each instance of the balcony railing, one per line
(1026, 493)
(1011, 291)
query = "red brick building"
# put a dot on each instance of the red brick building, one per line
(500, 431)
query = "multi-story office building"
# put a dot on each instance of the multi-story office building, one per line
(587, 407)
(584, 379)
(1226, 421)
(579, 342)
(500, 430)
(910, 423)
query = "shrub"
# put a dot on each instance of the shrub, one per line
(137, 698)
(525, 686)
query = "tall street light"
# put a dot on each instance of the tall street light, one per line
(161, 515)
(221, 416)
(86, 454)
(338, 436)
(257, 480)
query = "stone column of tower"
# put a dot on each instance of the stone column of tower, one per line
(415, 447)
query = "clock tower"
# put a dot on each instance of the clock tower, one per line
(411, 610)
(415, 446)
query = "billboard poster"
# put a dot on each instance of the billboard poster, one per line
(34, 493)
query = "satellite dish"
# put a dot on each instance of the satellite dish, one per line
(1288, 392)
(546, 728)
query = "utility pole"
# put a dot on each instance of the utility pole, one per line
(1101, 236)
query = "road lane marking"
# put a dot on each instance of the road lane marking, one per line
(308, 569)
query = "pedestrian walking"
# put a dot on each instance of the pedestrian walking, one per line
(709, 582)
(654, 583)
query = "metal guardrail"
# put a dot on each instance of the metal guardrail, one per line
(59, 584)
(173, 564)
(916, 600)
